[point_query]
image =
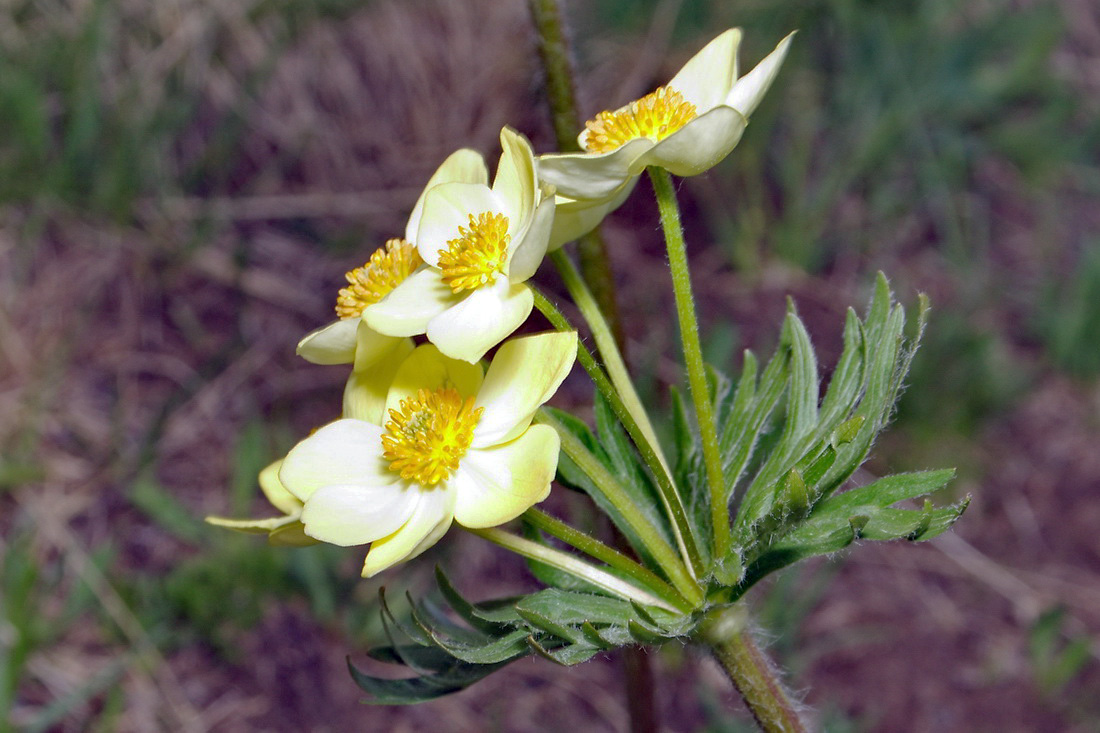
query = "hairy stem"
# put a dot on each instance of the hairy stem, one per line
(726, 632)
(598, 550)
(608, 485)
(693, 355)
(670, 498)
(568, 563)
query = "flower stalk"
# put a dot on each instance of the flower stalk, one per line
(693, 355)
(670, 498)
(726, 632)
(569, 564)
(609, 486)
(598, 550)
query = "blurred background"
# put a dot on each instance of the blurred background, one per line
(184, 183)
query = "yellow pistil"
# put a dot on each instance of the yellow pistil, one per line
(477, 254)
(384, 271)
(656, 116)
(429, 435)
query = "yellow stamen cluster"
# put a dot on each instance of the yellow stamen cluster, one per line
(656, 116)
(429, 435)
(384, 271)
(478, 253)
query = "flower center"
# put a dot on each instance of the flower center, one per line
(429, 435)
(384, 271)
(477, 254)
(656, 116)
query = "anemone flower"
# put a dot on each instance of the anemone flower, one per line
(480, 244)
(685, 127)
(456, 445)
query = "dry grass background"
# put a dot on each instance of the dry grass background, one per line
(137, 348)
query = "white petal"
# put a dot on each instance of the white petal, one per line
(366, 390)
(524, 374)
(406, 310)
(498, 484)
(426, 368)
(461, 166)
(371, 346)
(515, 183)
(447, 207)
(251, 526)
(430, 520)
(276, 493)
(698, 145)
(591, 175)
(349, 515)
(482, 320)
(707, 78)
(531, 248)
(749, 89)
(574, 218)
(333, 343)
(342, 452)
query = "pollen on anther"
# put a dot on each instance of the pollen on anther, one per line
(477, 254)
(385, 270)
(427, 437)
(655, 116)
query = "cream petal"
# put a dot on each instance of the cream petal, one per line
(515, 184)
(574, 218)
(497, 484)
(591, 175)
(699, 145)
(426, 368)
(524, 374)
(461, 166)
(352, 514)
(482, 320)
(345, 452)
(333, 343)
(276, 493)
(429, 522)
(749, 89)
(707, 78)
(366, 390)
(371, 347)
(531, 248)
(408, 308)
(447, 207)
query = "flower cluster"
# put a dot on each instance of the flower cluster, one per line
(427, 437)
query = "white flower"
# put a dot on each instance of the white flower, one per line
(455, 446)
(349, 339)
(685, 127)
(480, 244)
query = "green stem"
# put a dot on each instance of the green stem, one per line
(726, 631)
(693, 355)
(568, 563)
(674, 508)
(608, 485)
(598, 550)
(609, 350)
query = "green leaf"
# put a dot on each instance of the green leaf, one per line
(798, 428)
(741, 434)
(566, 656)
(574, 609)
(885, 491)
(457, 677)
